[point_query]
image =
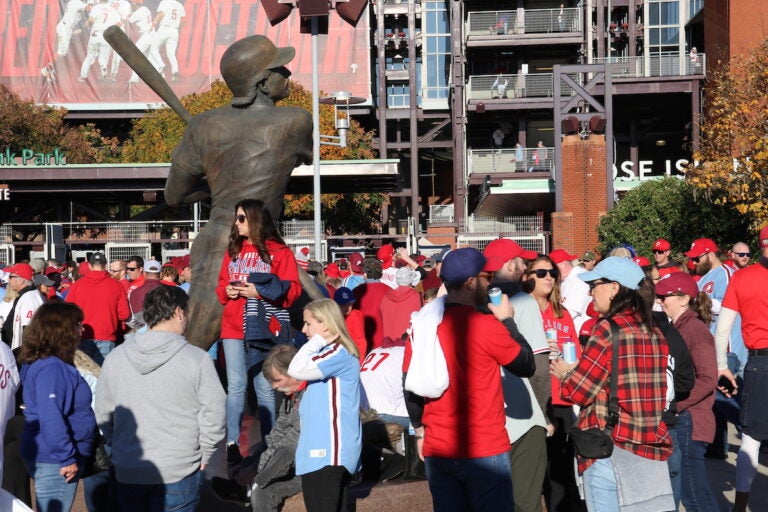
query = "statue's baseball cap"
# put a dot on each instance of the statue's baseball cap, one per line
(764, 237)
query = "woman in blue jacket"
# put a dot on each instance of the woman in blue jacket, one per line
(59, 424)
(328, 453)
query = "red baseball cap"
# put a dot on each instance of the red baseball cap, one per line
(642, 261)
(661, 245)
(180, 262)
(561, 255)
(385, 254)
(764, 237)
(23, 270)
(356, 262)
(677, 282)
(701, 246)
(332, 270)
(501, 250)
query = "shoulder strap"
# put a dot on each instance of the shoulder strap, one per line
(613, 394)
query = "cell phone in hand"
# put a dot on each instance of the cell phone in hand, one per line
(235, 283)
(725, 383)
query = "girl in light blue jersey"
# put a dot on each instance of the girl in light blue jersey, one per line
(328, 453)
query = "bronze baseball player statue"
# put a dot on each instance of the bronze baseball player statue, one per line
(244, 150)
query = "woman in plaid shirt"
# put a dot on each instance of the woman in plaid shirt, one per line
(641, 441)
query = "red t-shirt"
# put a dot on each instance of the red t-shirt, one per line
(565, 331)
(746, 294)
(467, 421)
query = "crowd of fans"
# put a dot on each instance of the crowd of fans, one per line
(407, 368)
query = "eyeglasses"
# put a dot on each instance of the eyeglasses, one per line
(656, 251)
(486, 275)
(743, 254)
(131, 269)
(240, 219)
(595, 284)
(662, 297)
(541, 273)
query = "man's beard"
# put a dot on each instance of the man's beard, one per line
(703, 266)
(481, 297)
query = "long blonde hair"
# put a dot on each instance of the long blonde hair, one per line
(328, 312)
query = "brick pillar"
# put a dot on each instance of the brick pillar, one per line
(584, 188)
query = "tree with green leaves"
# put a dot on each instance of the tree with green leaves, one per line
(668, 208)
(41, 128)
(154, 137)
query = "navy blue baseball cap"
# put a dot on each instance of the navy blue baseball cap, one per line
(344, 296)
(461, 264)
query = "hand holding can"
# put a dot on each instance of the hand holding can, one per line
(554, 350)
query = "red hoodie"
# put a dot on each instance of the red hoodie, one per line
(283, 265)
(396, 307)
(104, 303)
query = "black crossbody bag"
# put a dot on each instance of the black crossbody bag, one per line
(596, 443)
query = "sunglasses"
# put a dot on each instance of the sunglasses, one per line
(131, 269)
(595, 284)
(541, 273)
(656, 251)
(240, 219)
(697, 258)
(743, 254)
(662, 297)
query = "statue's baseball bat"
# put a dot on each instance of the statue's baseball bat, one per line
(117, 39)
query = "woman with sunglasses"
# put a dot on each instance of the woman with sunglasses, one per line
(542, 282)
(690, 313)
(254, 247)
(637, 467)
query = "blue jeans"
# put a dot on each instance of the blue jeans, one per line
(97, 350)
(181, 496)
(234, 355)
(265, 395)
(675, 464)
(478, 484)
(100, 490)
(695, 491)
(727, 409)
(52, 492)
(600, 490)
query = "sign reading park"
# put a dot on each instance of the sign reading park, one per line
(9, 158)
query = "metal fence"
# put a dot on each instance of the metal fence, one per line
(489, 161)
(523, 21)
(522, 85)
(528, 231)
(657, 65)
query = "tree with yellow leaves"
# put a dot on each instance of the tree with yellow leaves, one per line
(154, 137)
(732, 164)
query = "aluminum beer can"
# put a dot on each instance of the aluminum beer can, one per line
(569, 352)
(494, 294)
(551, 335)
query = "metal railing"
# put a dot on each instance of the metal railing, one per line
(656, 65)
(523, 21)
(478, 232)
(528, 85)
(490, 161)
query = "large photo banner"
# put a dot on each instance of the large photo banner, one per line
(53, 51)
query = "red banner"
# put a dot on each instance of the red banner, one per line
(52, 51)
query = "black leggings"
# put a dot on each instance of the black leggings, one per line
(325, 490)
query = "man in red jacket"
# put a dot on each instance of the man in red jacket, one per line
(104, 304)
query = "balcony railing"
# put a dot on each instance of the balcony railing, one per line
(522, 21)
(506, 160)
(530, 85)
(657, 65)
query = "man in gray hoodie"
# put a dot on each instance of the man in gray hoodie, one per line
(161, 407)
